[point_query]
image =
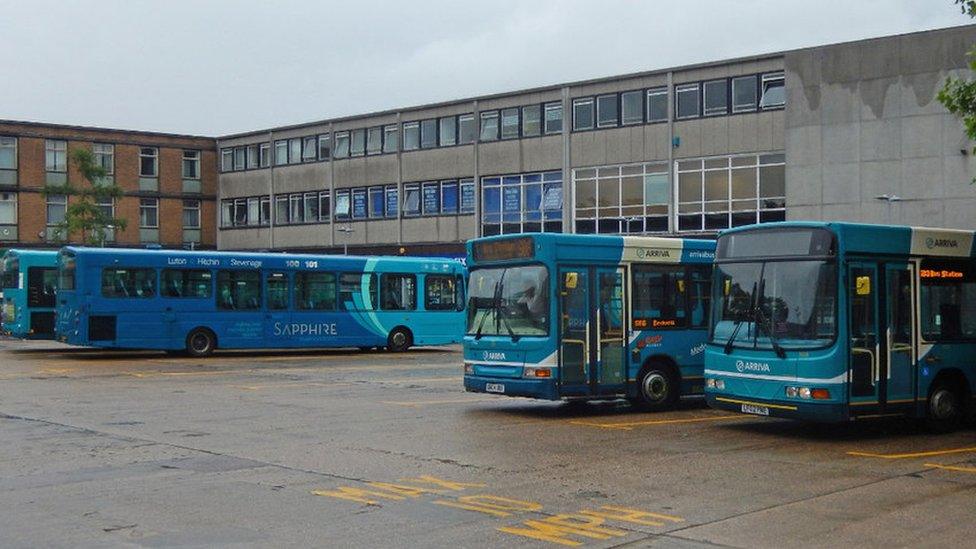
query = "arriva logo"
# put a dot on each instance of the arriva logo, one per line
(494, 355)
(941, 243)
(744, 366)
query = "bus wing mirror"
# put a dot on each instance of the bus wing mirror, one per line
(863, 285)
(571, 281)
(681, 286)
(727, 288)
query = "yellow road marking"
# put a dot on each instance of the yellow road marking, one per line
(629, 425)
(913, 455)
(952, 467)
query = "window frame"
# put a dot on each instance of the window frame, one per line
(772, 78)
(684, 88)
(10, 142)
(552, 106)
(341, 145)
(705, 96)
(390, 145)
(447, 138)
(194, 157)
(485, 118)
(639, 94)
(753, 83)
(429, 129)
(374, 134)
(602, 102)
(188, 207)
(515, 131)
(154, 205)
(310, 148)
(384, 277)
(656, 92)
(324, 143)
(264, 155)
(537, 110)
(100, 155)
(410, 129)
(58, 151)
(578, 103)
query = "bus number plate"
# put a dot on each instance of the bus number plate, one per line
(757, 410)
(494, 388)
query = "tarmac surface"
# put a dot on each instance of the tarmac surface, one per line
(368, 449)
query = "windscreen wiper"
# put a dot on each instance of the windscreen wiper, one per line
(767, 324)
(484, 317)
(738, 323)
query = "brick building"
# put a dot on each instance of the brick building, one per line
(169, 184)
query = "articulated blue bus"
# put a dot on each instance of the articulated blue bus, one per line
(557, 316)
(201, 301)
(837, 321)
(28, 280)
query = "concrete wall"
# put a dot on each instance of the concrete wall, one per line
(862, 120)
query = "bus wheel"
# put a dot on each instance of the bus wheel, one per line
(399, 340)
(200, 342)
(657, 388)
(945, 409)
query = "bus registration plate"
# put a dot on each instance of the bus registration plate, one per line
(494, 388)
(757, 410)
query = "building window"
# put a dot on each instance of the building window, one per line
(341, 145)
(55, 155)
(390, 138)
(343, 207)
(686, 101)
(359, 205)
(309, 149)
(449, 197)
(263, 156)
(227, 160)
(744, 93)
(716, 97)
(489, 126)
(431, 203)
(265, 218)
(240, 212)
(8, 208)
(374, 140)
(253, 159)
(466, 129)
(191, 164)
(281, 152)
(358, 143)
(411, 200)
(149, 161)
(104, 154)
(253, 210)
(325, 206)
(428, 133)
(510, 123)
(606, 111)
(191, 214)
(377, 201)
(325, 146)
(295, 150)
(631, 108)
(8, 153)
(392, 201)
(622, 199)
(554, 118)
(411, 136)
(239, 158)
(148, 213)
(448, 131)
(718, 193)
(467, 196)
(296, 208)
(531, 202)
(106, 205)
(773, 91)
(657, 105)
(57, 208)
(281, 209)
(583, 114)
(531, 120)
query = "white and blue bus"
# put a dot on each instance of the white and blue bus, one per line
(583, 317)
(838, 321)
(28, 281)
(201, 301)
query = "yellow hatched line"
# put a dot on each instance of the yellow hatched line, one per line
(914, 454)
(629, 425)
(957, 468)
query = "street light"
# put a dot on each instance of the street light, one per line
(889, 198)
(347, 230)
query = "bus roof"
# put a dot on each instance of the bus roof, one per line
(30, 253)
(612, 248)
(885, 239)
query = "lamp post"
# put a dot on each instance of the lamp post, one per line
(888, 198)
(347, 231)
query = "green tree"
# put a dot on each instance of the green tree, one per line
(84, 217)
(958, 95)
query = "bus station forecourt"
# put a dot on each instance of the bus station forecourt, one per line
(265, 433)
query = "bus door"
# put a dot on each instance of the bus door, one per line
(900, 334)
(592, 336)
(864, 380)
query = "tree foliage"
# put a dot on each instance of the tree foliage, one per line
(84, 217)
(958, 94)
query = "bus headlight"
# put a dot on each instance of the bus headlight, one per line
(538, 373)
(468, 369)
(715, 384)
(807, 393)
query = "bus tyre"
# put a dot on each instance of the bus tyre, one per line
(945, 408)
(657, 388)
(399, 340)
(200, 342)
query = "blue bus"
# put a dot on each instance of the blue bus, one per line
(837, 321)
(196, 302)
(29, 280)
(584, 317)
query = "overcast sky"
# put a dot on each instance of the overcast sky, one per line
(219, 67)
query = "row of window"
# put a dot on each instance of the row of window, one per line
(522, 203)
(428, 198)
(304, 291)
(56, 158)
(57, 209)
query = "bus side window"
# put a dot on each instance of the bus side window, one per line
(660, 296)
(699, 296)
(398, 292)
(357, 292)
(191, 283)
(948, 300)
(276, 285)
(440, 293)
(239, 290)
(128, 282)
(315, 291)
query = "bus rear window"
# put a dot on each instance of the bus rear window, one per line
(948, 300)
(139, 283)
(41, 283)
(66, 280)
